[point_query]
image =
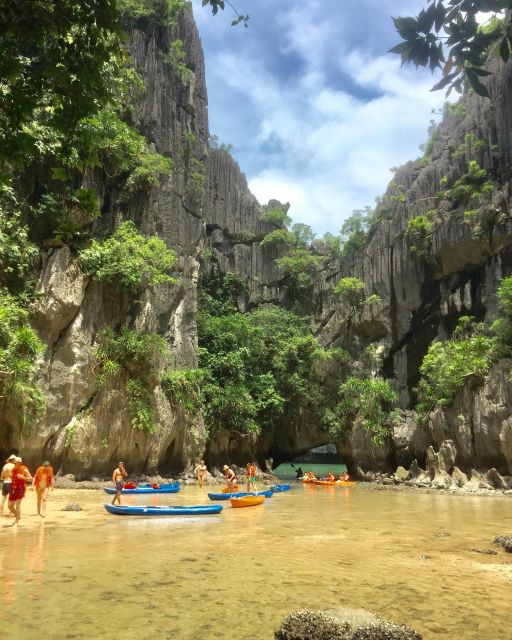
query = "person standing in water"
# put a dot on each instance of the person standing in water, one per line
(250, 474)
(43, 482)
(201, 471)
(6, 477)
(230, 478)
(118, 477)
(20, 477)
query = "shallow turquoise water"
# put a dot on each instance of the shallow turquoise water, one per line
(91, 575)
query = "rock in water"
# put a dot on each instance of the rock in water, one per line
(505, 542)
(312, 625)
(72, 506)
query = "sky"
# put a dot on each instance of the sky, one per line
(315, 108)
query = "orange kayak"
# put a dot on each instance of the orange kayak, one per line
(325, 483)
(246, 501)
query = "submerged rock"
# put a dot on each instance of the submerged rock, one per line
(312, 625)
(72, 506)
(505, 542)
(341, 624)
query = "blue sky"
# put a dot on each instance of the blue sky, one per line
(316, 109)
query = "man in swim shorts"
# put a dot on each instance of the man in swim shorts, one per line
(20, 477)
(6, 477)
(250, 474)
(118, 477)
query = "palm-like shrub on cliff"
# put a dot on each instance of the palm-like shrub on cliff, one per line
(449, 364)
(20, 350)
(138, 359)
(129, 259)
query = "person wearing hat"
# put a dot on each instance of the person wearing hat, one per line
(6, 477)
(43, 482)
(20, 477)
(118, 477)
(230, 478)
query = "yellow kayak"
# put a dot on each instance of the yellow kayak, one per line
(246, 501)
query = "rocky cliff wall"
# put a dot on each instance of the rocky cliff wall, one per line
(205, 202)
(86, 429)
(422, 296)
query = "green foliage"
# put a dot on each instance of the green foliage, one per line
(303, 234)
(20, 350)
(298, 266)
(352, 298)
(63, 57)
(370, 399)
(221, 4)
(129, 259)
(419, 230)
(150, 13)
(138, 359)
(279, 217)
(448, 364)
(354, 231)
(184, 387)
(259, 368)
(176, 59)
(457, 109)
(17, 253)
(448, 35)
(470, 186)
(433, 137)
(279, 236)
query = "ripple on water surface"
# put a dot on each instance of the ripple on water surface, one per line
(92, 575)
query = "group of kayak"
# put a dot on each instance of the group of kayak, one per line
(330, 480)
(236, 499)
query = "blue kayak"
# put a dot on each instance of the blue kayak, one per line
(122, 510)
(276, 488)
(226, 496)
(163, 488)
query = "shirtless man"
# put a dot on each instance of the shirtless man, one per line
(6, 477)
(20, 477)
(117, 478)
(201, 471)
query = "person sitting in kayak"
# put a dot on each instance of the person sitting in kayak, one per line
(344, 477)
(230, 478)
(330, 477)
(309, 475)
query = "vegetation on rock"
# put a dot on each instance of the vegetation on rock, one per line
(129, 259)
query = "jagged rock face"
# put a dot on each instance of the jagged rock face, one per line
(421, 298)
(85, 430)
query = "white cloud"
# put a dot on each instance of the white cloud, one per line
(323, 139)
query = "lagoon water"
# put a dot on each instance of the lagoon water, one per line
(90, 575)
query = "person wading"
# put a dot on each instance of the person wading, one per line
(230, 479)
(43, 482)
(118, 477)
(6, 478)
(250, 474)
(201, 471)
(20, 477)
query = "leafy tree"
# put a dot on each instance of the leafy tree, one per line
(354, 231)
(353, 299)
(298, 267)
(260, 367)
(448, 364)
(303, 233)
(20, 350)
(129, 259)
(419, 230)
(372, 400)
(446, 34)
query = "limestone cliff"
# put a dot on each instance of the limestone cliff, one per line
(205, 202)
